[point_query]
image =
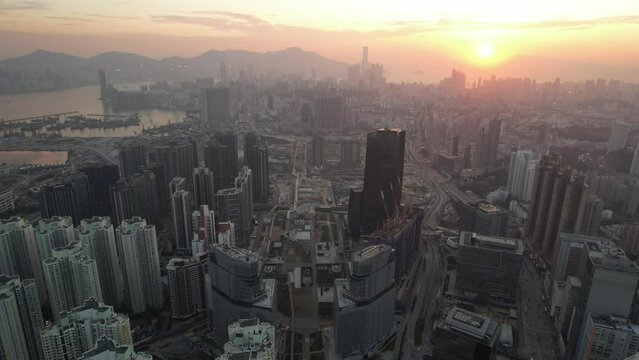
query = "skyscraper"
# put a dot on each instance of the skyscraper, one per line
(592, 215)
(72, 278)
(101, 178)
(203, 187)
(618, 136)
(204, 224)
(181, 210)
(608, 337)
(53, 233)
(187, 290)
(136, 196)
(104, 94)
(78, 330)
(521, 174)
(98, 237)
(140, 265)
(364, 303)
(634, 166)
(216, 159)
(132, 158)
(66, 196)
(177, 158)
(229, 139)
(216, 107)
(21, 318)
(454, 151)
(250, 338)
(19, 252)
(329, 113)
(317, 150)
(487, 144)
(349, 152)
(228, 204)
(383, 177)
(256, 157)
(482, 217)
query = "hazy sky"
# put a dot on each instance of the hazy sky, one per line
(409, 37)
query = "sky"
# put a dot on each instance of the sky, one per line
(413, 39)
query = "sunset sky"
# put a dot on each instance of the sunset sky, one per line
(408, 37)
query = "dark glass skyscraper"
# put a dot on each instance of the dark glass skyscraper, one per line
(229, 139)
(131, 159)
(66, 196)
(383, 177)
(101, 178)
(215, 159)
(256, 158)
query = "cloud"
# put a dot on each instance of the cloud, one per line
(111, 16)
(68, 18)
(24, 5)
(219, 20)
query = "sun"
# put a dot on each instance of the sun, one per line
(485, 51)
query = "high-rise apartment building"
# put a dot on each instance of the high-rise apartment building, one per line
(20, 319)
(592, 215)
(98, 237)
(237, 288)
(101, 178)
(53, 233)
(252, 339)
(106, 349)
(229, 139)
(140, 265)
(203, 187)
(487, 144)
(72, 278)
(203, 220)
(177, 158)
(181, 210)
(618, 136)
(317, 150)
(608, 338)
(364, 303)
(256, 158)
(465, 335)
(216, 160)
(66, 196)
(187, 290)
(131, 159)
(19, 253)
(349, 153)
(137, 196)
(383, 178)
(78, 330)
(521, 174)
(634, 166)
(216, 107)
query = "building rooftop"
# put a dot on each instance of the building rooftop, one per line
(487, 208)
(236, 253)
(616, 323)
(498, 243)
(480, 327)
(606, 254)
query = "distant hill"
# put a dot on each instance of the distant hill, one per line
(63, 70)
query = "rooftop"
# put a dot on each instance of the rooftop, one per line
(470, 323)
(499, 243)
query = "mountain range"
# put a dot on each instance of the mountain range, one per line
(69, 69)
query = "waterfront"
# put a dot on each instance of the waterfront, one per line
(84, 100)
(33, 157)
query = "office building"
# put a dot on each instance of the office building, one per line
(181, 210)
(256, 158)
(557, 205)
(250, 339)
(140, 265)
(329, 114)
(482, 217)
(487, 144)
(98, 238)
(349, 153)
(162, 185)
(237, 288)
(187, 290)
(21, 319)
(131, 159)
(488, 265)
(53, 233)
(7, 200)
(317, 150)
(216, 107)
(203, 187)
(364, 303)
(203, 220)
(608, 338)
(72, 278)
(383, 178)
(106, 349)
(618, 136)
(244, 184)
(66, 196)
(592, 215)
(355, 212)
(521, 174)
(79, 329)
(465, 335)
(229, 139)
(216, 160)
(101, 178)
(19, 253)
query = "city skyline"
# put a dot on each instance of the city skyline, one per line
(416, 41)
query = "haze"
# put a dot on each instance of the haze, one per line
(416, 40)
